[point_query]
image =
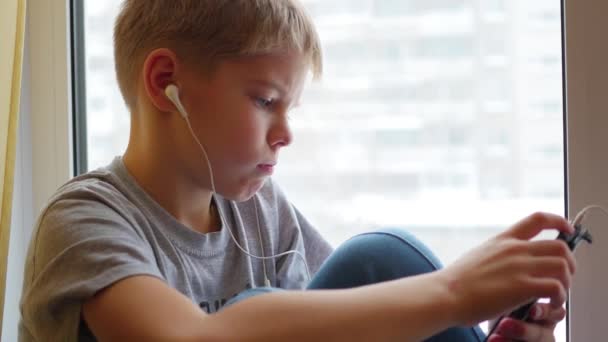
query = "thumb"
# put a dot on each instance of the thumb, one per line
(532, 225)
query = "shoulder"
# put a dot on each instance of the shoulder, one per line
(88, 207)
(99, 193)
(101, 186)
(85, 239)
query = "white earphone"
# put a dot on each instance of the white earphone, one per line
(172, 93)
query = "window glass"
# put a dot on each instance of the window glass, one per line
(441, 117)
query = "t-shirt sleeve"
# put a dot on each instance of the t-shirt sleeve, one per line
(79, 247)
(297, 233)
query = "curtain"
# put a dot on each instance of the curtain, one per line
(12, 28)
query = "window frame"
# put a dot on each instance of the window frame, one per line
(79, 91)
(48, 25)
(53, 127)
(44, 148)
(586, 77)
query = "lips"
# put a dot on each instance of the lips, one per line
(266, 168)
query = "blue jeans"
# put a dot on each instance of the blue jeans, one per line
(376, 257)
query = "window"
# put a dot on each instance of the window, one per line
(425, 107)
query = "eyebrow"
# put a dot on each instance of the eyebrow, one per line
(271, 84)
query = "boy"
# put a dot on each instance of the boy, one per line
(154, 245)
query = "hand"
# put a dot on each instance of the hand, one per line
(509, 270)
(544, 319)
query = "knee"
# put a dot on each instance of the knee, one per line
(375, 257)
(412, 242)
(392, 247)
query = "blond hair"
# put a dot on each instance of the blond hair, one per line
(208, 31)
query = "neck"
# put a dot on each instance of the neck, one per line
(187, 202)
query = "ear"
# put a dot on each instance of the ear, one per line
(159, 69)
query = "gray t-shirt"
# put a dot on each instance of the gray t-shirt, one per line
(102, 227)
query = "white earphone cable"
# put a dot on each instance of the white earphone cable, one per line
(583, 213)
(172, 94)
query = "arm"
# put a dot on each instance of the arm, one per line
(145, 308)
(500, 275)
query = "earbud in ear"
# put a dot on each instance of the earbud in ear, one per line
(172, 93)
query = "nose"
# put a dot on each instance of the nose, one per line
(280, 134)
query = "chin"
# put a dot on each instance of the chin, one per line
(245, 192)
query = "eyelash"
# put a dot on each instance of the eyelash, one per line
(267, 104)
(264, 103)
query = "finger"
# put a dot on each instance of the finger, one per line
(549, 288)
(532, 225)
(546, 314)
(517, 330)
(551, 267)
(553, 248)
(498, 338)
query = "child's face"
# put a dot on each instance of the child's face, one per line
(240, 114)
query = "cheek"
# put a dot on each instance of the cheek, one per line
(248, 128)
(243, 139)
